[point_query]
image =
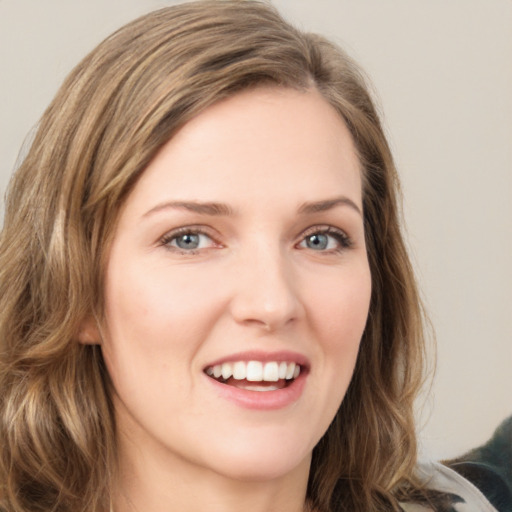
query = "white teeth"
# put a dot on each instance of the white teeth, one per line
(239, 371)
(283, 366)
(255, 371)
(261, 388)
(227, 370)
(271, 372)
(290, 371)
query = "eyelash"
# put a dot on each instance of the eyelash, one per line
(168, 238)
(343, 240)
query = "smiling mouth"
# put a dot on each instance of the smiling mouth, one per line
(255, 375)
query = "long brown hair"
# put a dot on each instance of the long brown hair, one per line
(117, 108)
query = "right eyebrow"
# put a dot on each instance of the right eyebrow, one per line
(203, 208)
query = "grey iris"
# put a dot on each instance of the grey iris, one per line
(188, 241)
(317, 241)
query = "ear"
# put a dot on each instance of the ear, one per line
(89, 333)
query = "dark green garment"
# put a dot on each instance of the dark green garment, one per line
(479, 481)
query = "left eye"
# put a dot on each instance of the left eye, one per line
(188, 241)
(324, 241)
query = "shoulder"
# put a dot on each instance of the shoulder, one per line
(489, 467)
(445, 490)
(478, 481)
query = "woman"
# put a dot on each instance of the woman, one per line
(205, 297)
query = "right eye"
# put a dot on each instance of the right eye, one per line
(187, 241)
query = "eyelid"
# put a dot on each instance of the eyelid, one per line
(339, 234)
(169, 236)
(344, 241)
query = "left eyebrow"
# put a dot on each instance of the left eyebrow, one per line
(328, 204)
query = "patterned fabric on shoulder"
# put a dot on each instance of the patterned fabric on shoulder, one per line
(447, 491)
(479, 481)
(489, 467)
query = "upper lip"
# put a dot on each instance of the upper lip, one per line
(264, 357)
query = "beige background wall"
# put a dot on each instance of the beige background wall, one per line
(443, 72)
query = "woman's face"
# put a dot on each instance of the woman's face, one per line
(240, 250)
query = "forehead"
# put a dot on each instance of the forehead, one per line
(261, 142)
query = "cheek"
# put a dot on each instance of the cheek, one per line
(339, 313)
(151, 335)
(341, 307)
(157, 318)
(154, 306)
(340, 316)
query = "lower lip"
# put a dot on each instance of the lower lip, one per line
(261, 400)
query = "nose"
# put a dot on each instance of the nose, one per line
(266, 294)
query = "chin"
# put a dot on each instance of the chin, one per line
(258, 460)
(265, 470)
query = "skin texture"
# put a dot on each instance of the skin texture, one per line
(255, 282)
